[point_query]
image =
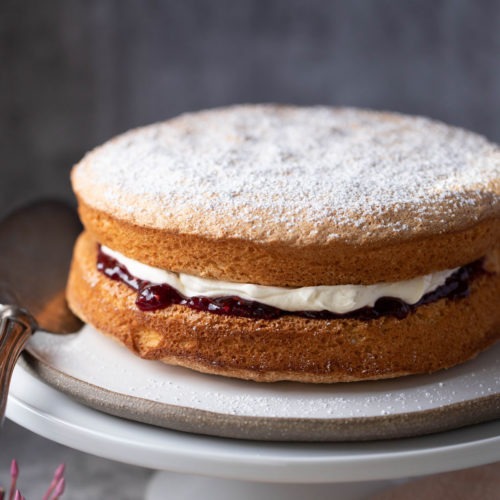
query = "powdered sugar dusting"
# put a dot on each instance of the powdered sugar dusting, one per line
(295, 174)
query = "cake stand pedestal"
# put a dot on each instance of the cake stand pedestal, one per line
(190, 487)
(229, 468)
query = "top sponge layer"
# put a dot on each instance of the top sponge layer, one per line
(295, 175)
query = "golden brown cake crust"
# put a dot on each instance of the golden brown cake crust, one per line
(287, 265)
(436, 336)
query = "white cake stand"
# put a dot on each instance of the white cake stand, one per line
(229, 468)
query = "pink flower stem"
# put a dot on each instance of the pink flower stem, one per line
(59, 489)
(14, 474)
(58, 475)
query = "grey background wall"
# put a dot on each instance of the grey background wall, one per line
(76, 72)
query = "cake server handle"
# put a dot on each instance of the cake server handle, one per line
(16, 327)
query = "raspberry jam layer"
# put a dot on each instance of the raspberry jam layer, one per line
(152, 297)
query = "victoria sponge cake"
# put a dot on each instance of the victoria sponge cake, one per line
(312, 244)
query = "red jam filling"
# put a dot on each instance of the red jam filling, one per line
(151, 297)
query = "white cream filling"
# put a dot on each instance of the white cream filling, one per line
(338, 299)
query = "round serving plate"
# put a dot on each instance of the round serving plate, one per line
(102, 374)
(50, 413)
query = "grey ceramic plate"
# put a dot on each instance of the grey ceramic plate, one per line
(102, 374)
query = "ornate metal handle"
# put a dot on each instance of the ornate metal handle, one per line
(16, 327)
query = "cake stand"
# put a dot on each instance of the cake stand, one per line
(226, 468)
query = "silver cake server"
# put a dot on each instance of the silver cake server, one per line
(36, 244)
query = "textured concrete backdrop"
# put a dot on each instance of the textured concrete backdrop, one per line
(74, 72)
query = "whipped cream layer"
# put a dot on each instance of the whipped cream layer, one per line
(339, 299)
